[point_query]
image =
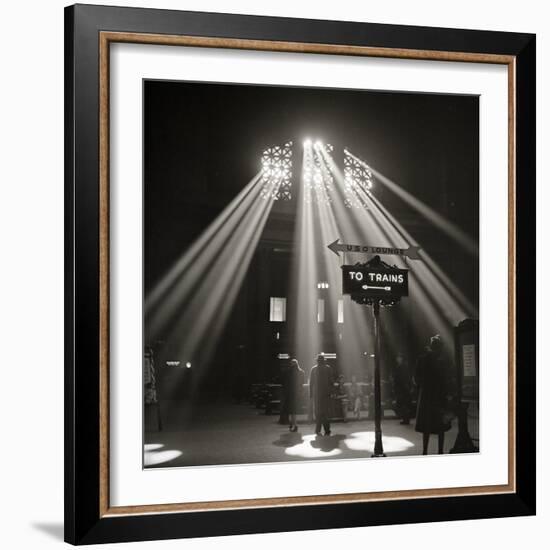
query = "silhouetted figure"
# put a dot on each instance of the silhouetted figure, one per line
(341, 398)
(432, 379)
(402, 388)
(320, 389)
(356, 396)
(293, 388)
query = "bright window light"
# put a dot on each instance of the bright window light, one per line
(277, 309)
(317, 176)
(276, 174)
(340, 311)
(320, 310)
(357, 182)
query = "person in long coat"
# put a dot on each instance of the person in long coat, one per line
(356, 397)
(402, 388)
(320, 390)
(432, 377)
(293, 390)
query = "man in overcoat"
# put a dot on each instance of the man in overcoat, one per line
(320, 390)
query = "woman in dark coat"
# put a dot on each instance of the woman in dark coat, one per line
(432, 379)
(293, 391)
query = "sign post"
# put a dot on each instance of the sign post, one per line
(375, 283)
(378, 447)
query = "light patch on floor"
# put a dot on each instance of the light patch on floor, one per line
(153, 446)
(364, 441)
(154, 456)
(314, 447)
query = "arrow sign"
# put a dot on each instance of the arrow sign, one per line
(411, 252)
(367, 287)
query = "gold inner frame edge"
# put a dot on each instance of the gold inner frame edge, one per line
(105, 39)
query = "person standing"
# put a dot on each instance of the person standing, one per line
(356, 397)
(432, 377)
(402, 388)
(320, 389)
(341, 398)
(293, 391)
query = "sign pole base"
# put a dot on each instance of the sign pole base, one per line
(378, 449)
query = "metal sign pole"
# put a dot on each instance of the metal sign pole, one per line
(378, 448)
(377, 284)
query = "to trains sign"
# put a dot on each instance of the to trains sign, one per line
(381, 282)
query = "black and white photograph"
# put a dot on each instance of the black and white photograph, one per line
(310, 274)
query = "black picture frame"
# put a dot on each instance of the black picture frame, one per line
(84, 521)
